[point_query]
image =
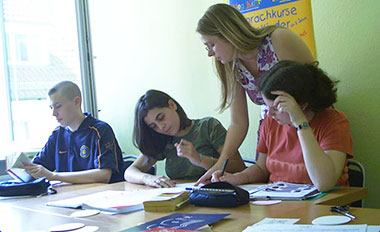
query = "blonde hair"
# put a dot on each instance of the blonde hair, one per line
(227, 23)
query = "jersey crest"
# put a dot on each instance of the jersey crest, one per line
(84, 151)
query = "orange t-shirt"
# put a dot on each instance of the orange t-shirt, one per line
(284, 154)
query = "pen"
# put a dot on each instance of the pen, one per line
(341, 210)
(224, 166)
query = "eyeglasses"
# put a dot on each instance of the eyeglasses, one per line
(209, 47)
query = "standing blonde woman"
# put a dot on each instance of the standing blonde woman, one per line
(243, 54)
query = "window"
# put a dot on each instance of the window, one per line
(43, 42)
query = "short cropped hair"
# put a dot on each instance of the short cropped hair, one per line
(305, 82)
(148, 141)
(67, 88)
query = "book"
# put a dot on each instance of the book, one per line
(167, 202)
(284, 191)
(114, 208)
(108, 201)
(15, 163)
(182, 221)
(158, 229)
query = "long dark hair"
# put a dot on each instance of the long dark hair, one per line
(305, 82)
(148, 141)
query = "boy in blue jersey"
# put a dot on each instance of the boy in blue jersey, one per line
(82, 149)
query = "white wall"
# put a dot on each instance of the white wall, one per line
(141, 45)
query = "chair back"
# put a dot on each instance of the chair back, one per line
(129, 159)
(356, 177)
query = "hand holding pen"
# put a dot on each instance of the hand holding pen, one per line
(187, 150)
(222, 175)
(224, 167)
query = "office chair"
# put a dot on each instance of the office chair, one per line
(128, 160)
(356, 177)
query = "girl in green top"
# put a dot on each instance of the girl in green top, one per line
(162, 131)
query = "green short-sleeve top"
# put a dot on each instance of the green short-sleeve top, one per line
(207, 136)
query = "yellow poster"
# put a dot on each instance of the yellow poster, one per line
(292, 14)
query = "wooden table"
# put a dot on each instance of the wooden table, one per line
(31, 214)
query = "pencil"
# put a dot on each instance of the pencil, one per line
(224, 166)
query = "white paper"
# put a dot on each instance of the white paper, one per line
(112, 198)
(373, 228)
(288, 221)
(305, 228)
(17, 160)
(15, 164)
(251, 187)
(183, 186)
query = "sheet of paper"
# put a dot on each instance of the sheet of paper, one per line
(188, 185)
(305, 228)
(289, 221)
(21, 161)
(250, 187)
(14, 197)
(15, 164)
(111, 198)
(373, 228)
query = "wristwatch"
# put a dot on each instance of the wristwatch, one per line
(302, 126)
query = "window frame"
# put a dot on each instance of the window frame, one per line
(85, 61)
(86, 58)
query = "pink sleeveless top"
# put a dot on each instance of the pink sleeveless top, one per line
(266, 58)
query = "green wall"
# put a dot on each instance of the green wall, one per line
(347, 37)
(153, 44)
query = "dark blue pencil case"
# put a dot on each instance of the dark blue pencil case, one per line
(33, 188)
(234, 196)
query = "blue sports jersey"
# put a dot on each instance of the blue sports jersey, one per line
(92, 146)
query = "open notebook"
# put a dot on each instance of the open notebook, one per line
(284, 191)
(113, 201)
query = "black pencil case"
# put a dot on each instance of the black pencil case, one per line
(219, 194)
(33, 188)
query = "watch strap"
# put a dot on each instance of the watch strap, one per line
(303, 125)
